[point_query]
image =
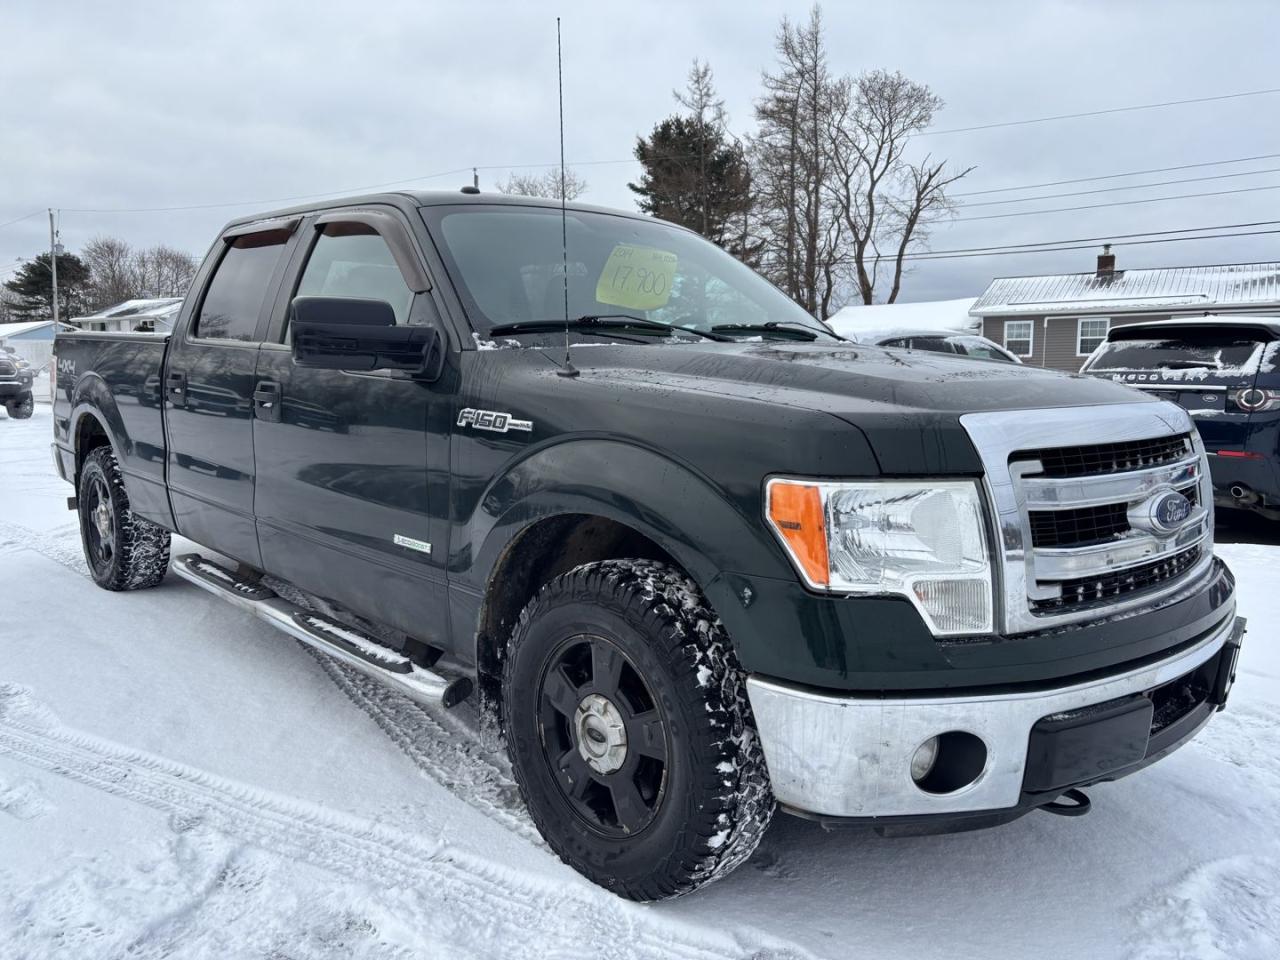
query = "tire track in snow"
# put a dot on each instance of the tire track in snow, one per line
(61, 545)
(590, 922)
(444, 749)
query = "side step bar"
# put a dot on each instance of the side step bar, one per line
(335, 639)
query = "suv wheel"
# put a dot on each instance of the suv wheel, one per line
(630, 732)
(124, 551)
(21, 409)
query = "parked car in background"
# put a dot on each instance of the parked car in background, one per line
(15, 386)
(1225, 372)
(941, 341)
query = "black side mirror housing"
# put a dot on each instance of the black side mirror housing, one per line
(344, 333)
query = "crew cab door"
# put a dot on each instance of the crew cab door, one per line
(352, 485)
(207, 384)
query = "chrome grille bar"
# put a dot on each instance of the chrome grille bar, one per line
(1049, 493)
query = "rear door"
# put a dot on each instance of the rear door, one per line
(1204, 367)
(352, 489)
(208, 384)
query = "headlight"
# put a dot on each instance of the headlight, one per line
(923, 541)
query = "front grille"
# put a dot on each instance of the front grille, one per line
(7, 369)
(1087, 526)
(1100, 458)
(1096, 591)
(1078, 528)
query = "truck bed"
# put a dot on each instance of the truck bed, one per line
(113, 383)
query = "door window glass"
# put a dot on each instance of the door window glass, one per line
(234, 298)
(351, 260)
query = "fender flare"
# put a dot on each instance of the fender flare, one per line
(704, 527)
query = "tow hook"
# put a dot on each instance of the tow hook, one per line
(1079, 804)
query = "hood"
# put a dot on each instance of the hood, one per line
(907, 403)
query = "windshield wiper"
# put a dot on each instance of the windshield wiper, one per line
(785, 329)
(598, 323)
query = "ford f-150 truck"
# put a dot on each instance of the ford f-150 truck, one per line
(694, 556)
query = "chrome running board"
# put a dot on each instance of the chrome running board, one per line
(338, 640)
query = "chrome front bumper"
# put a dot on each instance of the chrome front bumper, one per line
(849, 756)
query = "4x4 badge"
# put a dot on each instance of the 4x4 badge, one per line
(493, 420)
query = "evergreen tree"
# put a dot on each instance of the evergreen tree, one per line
(33, 286)
(694, 174)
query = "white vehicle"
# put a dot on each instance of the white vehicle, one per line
(941, 341)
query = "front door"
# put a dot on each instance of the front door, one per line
(208, 390)
(344, 505)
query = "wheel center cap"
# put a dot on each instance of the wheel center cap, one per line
(601, 733)
(102, 517)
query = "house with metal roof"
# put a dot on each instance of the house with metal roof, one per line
(1057, 321)
(133, 316)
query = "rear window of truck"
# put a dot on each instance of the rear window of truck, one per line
(234, 297)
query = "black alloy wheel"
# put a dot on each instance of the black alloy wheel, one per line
(604, 735)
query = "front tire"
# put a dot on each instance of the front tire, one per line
(21, 409)
(630, 732)
(123, 551)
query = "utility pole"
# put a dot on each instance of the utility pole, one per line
(53, 265)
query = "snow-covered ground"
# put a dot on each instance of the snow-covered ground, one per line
(179, 780)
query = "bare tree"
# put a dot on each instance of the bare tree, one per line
(545, 184)
(884, 201)
(111, 271)
(168, 272)
(707, 109)
(793, 168)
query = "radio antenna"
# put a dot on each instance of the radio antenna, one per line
(568, 370)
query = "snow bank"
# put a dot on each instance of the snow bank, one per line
(885, 318)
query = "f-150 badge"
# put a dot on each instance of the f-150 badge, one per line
(492, 420)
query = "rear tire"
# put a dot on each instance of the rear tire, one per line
(630, 732)
(123, 551)
(21, 409)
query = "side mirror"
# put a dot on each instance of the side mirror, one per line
(343, 333)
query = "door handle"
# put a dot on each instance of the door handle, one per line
(267, 401)
(175, 387)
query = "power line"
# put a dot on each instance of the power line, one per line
(1114, 203)
(1099, 113)
(919, 257)
(1114, 176)
(1131, 186)
(9, 223)
(1109, 238)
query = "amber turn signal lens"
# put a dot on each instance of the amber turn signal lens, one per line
(795, 510)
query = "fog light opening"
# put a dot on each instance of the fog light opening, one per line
(948, 762)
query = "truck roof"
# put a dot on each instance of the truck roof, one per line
(430, 198)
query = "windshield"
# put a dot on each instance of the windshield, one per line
(1222, 351)
(507, 265)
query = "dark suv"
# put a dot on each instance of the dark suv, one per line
(15, 386)
(1225, 372)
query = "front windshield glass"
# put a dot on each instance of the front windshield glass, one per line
(507, 266)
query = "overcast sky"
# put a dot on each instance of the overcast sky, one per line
(111, 105)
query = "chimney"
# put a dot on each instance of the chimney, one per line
(1106, 263)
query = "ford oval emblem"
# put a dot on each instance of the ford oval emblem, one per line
(1170, 511)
